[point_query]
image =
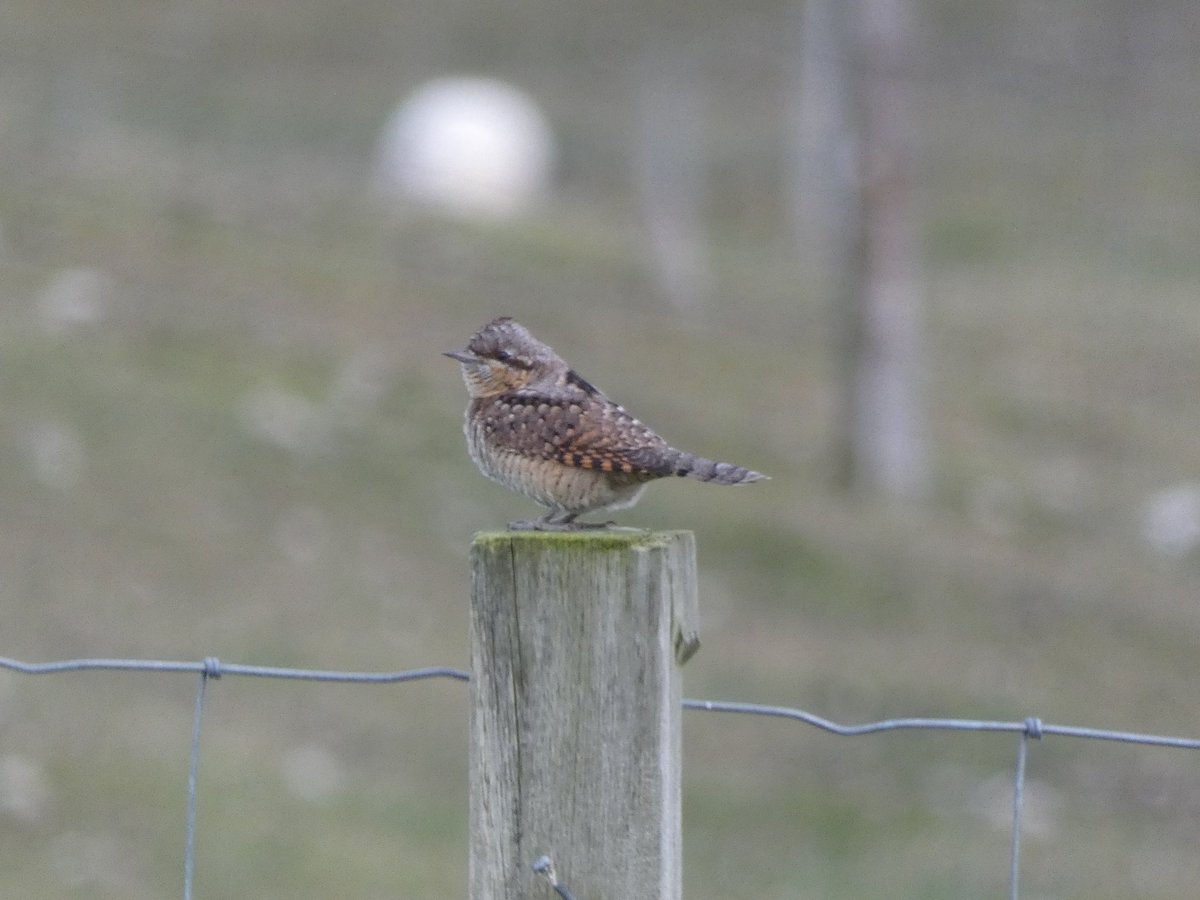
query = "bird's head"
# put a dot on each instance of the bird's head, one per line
(503, 356)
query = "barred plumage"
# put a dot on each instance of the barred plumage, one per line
(537, 427)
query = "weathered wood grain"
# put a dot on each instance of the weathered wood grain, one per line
(576, 642)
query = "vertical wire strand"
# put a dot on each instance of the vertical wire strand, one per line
(1014, 865)
(212, 669)
(1033, 729)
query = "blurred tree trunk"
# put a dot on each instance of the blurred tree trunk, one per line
(855, 166)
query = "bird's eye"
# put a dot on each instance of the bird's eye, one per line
(503, 356)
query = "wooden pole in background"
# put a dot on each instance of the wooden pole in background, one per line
(576, 643)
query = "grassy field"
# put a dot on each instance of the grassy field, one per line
(225, 430)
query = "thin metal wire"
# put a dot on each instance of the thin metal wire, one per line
(544, 866)
(217, 668)
(211, 668)
(725, 706)
(189, 843)
(786, 712)
(1033, 730)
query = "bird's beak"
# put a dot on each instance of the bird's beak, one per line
(463, 356)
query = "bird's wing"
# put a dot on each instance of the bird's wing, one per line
(578, 426)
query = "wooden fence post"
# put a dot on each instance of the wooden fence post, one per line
(576, 643)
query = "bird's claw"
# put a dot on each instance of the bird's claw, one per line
(544, 525)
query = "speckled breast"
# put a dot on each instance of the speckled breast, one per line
(547, 481)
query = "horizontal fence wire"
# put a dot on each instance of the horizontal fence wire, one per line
(211, 668)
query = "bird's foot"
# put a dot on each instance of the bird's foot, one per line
(550, 525)
(528, 525)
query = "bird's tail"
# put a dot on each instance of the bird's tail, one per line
(686, 465)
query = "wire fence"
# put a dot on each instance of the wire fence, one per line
(211, 668)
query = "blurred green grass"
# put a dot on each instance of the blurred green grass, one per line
(254, 452)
